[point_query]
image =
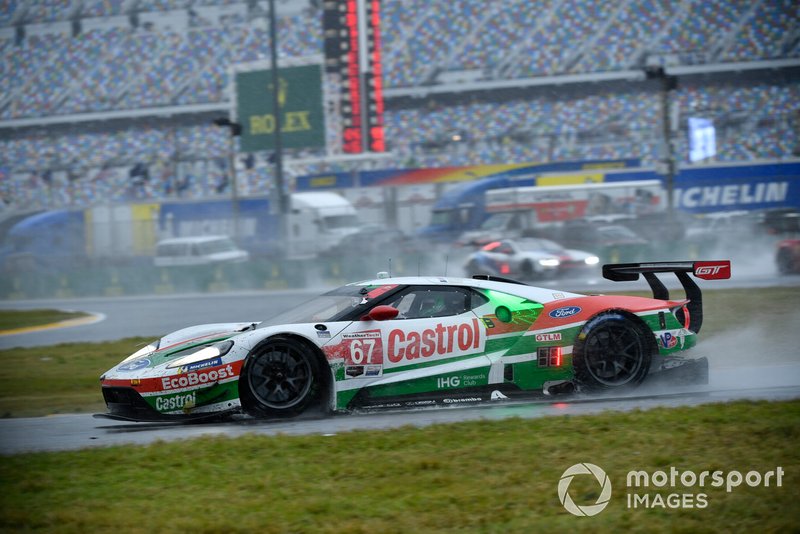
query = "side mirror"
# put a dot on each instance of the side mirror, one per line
(381, 313)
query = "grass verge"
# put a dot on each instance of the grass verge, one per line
(483, 476)
(60, 378)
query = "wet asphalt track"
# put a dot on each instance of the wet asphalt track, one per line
(158, 315)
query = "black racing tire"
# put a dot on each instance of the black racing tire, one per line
(612, 352)
(281, 378)
(526, 271)
(784, 261)
(472, 268)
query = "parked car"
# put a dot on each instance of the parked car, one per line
(375, 239)
(787, 256)
(199, 250)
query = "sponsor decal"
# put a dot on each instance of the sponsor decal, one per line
(373, 370)
(363, 347)
(448, 382)
(459, 381)
(323, 334)
(565, 312)
(488, 322)
(712, 270)
(197, 378)
(667, 340)
(420, 403)
(176, 402)
(214, 362)
(386, 405)
(497, 395)
(441, 340)
(352, 371)
(369, 334)
(464, 399)
(134, 365)
(558, 296)
(548, 337)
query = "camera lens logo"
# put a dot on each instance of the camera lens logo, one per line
(584, 469)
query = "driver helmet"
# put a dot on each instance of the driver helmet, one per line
(432, 304)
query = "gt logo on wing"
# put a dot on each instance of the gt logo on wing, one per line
(712, 270)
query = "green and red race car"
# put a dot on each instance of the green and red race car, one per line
(417, 341)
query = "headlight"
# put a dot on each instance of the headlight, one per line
(141, 353)
(549, 262)
(592, 260)
(206, 353)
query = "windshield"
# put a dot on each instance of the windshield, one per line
(617, 231)
(540, 244)
(331, 306)
(496, 222)
(441, 217)
(216, 246)
(340, 221)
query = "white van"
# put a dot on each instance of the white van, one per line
(199, 250)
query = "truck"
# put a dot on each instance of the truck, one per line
(697, 189)
(126, 233)
(532, 210)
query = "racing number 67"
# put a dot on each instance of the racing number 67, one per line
(361, 351)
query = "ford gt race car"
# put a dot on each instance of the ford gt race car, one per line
(396, 342)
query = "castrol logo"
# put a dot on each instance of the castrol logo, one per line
(440, 340)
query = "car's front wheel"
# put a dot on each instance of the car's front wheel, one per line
(612, 351)
(281, 378)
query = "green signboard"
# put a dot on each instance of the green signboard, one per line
(302, 121)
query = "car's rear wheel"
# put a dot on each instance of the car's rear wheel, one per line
(612, 352)
(281, 378)
(527, 271)
(784, 261)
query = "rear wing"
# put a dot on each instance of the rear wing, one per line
(706, 270)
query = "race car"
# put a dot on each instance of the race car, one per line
(528, 258)
(787, 257)
(418, 341)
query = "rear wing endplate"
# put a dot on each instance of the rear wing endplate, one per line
(706, 270)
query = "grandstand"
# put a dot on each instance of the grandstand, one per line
(91, 90)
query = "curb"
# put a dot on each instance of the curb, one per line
(80, 321)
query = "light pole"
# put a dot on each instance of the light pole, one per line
(283, 207)
(668, 84)
(235, 131)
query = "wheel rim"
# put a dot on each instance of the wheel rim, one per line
(614, 354)
(280, 377)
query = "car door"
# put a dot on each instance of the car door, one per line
(434, 333)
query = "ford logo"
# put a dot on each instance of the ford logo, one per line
(566, 311)
(135, 365)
